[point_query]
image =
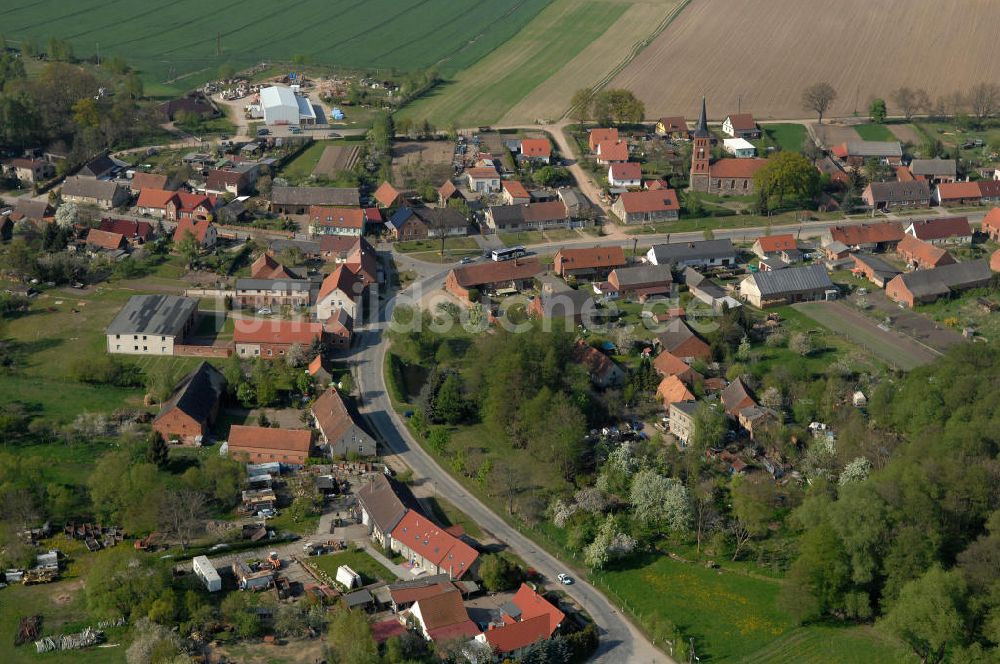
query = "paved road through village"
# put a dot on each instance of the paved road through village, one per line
(620, 640)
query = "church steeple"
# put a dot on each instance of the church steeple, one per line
(701, 154)
(702, 129)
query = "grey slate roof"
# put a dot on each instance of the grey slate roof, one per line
(874, 149)
(933, 167)
(687, 407)
(88, 188)
(792, 280)
(892, 192)
(695, 280)
(159, 315)
(385, 501)
(447, 217)
(942, 279)
(878, 266)
(643, 274)
(197, 393)
(307, 247)
(686, 251)
(293, 285)
(98, 166)
(344, 197)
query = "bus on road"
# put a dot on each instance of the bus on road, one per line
(508, 254)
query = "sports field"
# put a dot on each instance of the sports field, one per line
(760, 54)
(533, 61)
(179, 43)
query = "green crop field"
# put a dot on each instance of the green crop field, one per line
(487, 90)
(181, 43)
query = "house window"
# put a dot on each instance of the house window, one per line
(269, 352)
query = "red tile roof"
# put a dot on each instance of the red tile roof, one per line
(924, 254)
(673, 123)
(784, 242)
(156, 199)
(736, 168)
(410, 595)
(448, 189)
(142, 230)
(386, 195)
(673, 390)
(536, 147)
(483, 173)
(612, 151)
(332, 415)
(533, 605)
(992, 220)
(342, 279)
(148, 181)
(193, 226)
(188, 202)
(516, 635)
(591, 257)
(444, 616)
(886, 231)
(105, 239)
(954, 191)
(628, 170)
(265, 267)
(995, 261)
(742, 122)
(597, 363)
(268, 438)
(941, 228)
(653, 200)
(386, 629)
(598, 136)
(989, 188)
(480, 274)
(420, 534)
(669, 364)
(337, 217)
(515, 189)
(261, 331)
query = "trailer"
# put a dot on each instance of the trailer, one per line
(206, 571)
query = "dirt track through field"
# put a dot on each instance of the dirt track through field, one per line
(763, 53)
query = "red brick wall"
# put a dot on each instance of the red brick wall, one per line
(202, 351)
(452, 286)
(177, 424)
(261, 455)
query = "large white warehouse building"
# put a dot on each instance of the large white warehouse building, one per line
(281, 106)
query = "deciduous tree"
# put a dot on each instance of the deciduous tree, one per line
(911, 101)
(877, 111)
(818, 98)
(929, 615)
(787, 175)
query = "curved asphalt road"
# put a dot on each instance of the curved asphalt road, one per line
(620, 641)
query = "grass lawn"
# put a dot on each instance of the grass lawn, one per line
(434, 244)
(730, 614)
(735, 221)
(284, 523)
(522, 237)
(446, 515)
(965, 311)
(302, 166)
(874, 132)
(788, 136)
(63, 607)
(822, 644)
(560, 234)
(450, 256)
(370, 569)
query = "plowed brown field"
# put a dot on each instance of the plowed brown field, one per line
(763, 53)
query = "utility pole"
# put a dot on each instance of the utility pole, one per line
(739, 103)
(218, 43)
(98, 54)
